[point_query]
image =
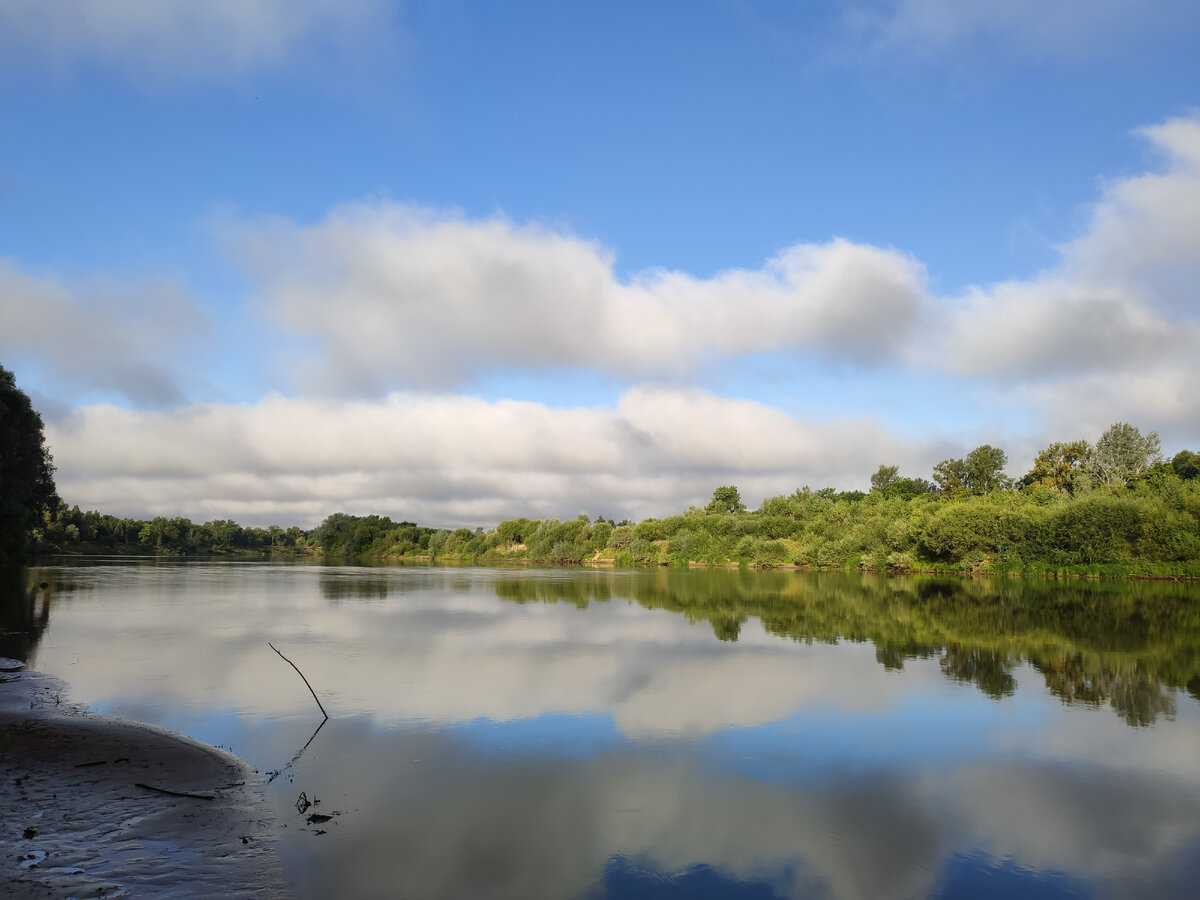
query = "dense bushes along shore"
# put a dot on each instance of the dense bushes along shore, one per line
(1073, 513)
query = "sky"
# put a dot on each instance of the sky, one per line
(455, 262)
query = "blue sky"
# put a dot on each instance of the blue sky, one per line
(461, 261)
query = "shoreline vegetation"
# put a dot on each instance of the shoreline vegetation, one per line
(1115, 509)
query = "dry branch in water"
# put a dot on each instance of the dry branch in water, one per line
(301, 674)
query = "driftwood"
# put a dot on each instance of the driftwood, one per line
(299, 753)
(159, 790)
(301, 674)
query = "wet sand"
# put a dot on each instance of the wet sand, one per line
(92, 807)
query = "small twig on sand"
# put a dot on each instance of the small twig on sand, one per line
(301, 674)
(159, 790)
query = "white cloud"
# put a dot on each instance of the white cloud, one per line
(173, 38)
(392, 301)
(453, 460)
(395, 297)
(1112, 331)
(1031, 330)
(1160, 396)
(99, 335)
(1144, 236)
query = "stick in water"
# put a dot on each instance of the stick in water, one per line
(301, 674)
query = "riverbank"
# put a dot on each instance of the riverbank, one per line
(99, 807)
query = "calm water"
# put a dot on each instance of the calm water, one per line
(576, 733)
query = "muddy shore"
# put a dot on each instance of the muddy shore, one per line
(102, 807)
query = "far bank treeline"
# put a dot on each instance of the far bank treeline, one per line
(1113, 507)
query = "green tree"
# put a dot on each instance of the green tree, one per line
(1058, 465)
(888, 482)
(26, 471)
(980, 473)
(910, 487)
(884, 477)
(985, 470)
(1186, 464)
(726, 499)
(1122, 453)
(601, 532)
(951, 476)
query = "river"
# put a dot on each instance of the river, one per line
(562, 733)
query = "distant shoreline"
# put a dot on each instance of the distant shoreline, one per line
(1148, 529)
(1096, 572)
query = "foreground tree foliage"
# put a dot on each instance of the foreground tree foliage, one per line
(26, 472)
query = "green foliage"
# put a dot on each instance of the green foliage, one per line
(650, 530)
(884, 477)
(621, 537)
(726, 499)
(601, 532)
(888, 482)
(372, 536)
(972, 531)
(980, 473)
(26, 472)
(642, 551)
(985, 470)
(557, 541)
(1186, 464)
(685, 546)
(1058, 466)
(951, 476)
(516, 531)
(1122, 453)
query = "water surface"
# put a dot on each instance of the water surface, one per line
(578, 733)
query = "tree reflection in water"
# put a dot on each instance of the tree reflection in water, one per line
(24, 612)
(1127, 644)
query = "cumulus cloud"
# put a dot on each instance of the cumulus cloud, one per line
(1113, 330)
(1031, 330)
(215, 38)
(1144, 235)
(453, 460)
(393, 303)
(98, 335)
(396, 297)
(1161, 396)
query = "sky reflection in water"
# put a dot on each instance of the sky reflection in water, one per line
(573, 733)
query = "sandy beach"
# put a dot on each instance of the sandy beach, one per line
(102, 807)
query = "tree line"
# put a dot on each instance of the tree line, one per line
(1115, 506)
